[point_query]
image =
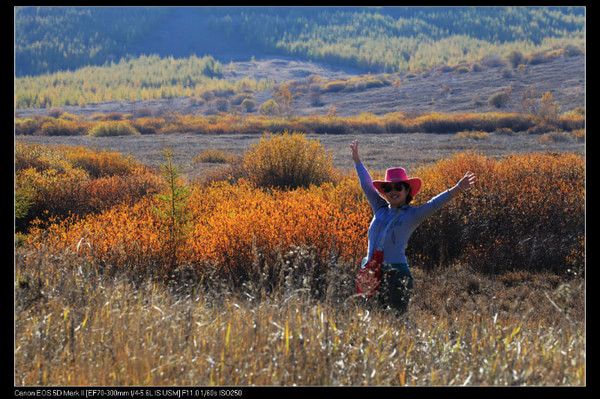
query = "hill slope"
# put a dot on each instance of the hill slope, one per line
(431, 91)
(376, 39)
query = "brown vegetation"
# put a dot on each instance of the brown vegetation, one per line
(256, 286)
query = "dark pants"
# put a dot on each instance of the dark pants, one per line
(396, 287)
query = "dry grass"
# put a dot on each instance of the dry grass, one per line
(214, 155)
(77, 326)
(472, 134)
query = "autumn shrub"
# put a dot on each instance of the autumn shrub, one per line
(579, 135)
(49, 192)
(516, 58)
(555, 137)
(99, 163)
(452, 123)
(572, 50)
(113, 128)
(69, 116)
(319, 124)
(55, 112)
(269, 107)
(354, 83)
(27, 126)
(493, 61)
(58, 181)
(213, 155)
(333, 87)
(39, 157)
(508, 221)
(148, 125)
(538, 58)
(499, 100)
(541, 128)
(288, 160)
(62, 127)
(571, 120)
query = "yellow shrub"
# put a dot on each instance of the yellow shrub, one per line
(113, 128)
(288, 160)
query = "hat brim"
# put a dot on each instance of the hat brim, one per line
(414, 183)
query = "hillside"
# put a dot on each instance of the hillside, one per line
(430, 91)
(375, 39)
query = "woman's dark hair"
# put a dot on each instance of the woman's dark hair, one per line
(409, 197)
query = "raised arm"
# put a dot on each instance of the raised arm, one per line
(437, 202)
(366, 183)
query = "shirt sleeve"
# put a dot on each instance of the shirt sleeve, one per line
(366, 183)
(420, 213)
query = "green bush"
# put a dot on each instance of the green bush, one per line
(113, 128)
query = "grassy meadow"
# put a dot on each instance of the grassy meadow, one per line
(127, 275)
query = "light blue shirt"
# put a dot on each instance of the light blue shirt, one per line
(399, 232)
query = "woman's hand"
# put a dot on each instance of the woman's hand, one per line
(354, 148)
(466, 182)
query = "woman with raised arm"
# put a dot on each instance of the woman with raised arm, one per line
(394, 220)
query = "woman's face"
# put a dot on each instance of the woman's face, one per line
(396, 196)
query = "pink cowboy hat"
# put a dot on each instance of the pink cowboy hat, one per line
(394, 175)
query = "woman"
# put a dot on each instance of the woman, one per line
(390, 199)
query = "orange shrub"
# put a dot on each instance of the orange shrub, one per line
(99, 163)
(525, 212)
(147, 125)
(56, 181)
(63, 127)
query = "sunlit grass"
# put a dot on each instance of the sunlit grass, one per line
(92, 329)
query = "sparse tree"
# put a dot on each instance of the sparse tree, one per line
(283, 96)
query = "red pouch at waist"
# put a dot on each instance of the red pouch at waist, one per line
(368, 278)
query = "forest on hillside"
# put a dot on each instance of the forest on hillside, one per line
(376, 39)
